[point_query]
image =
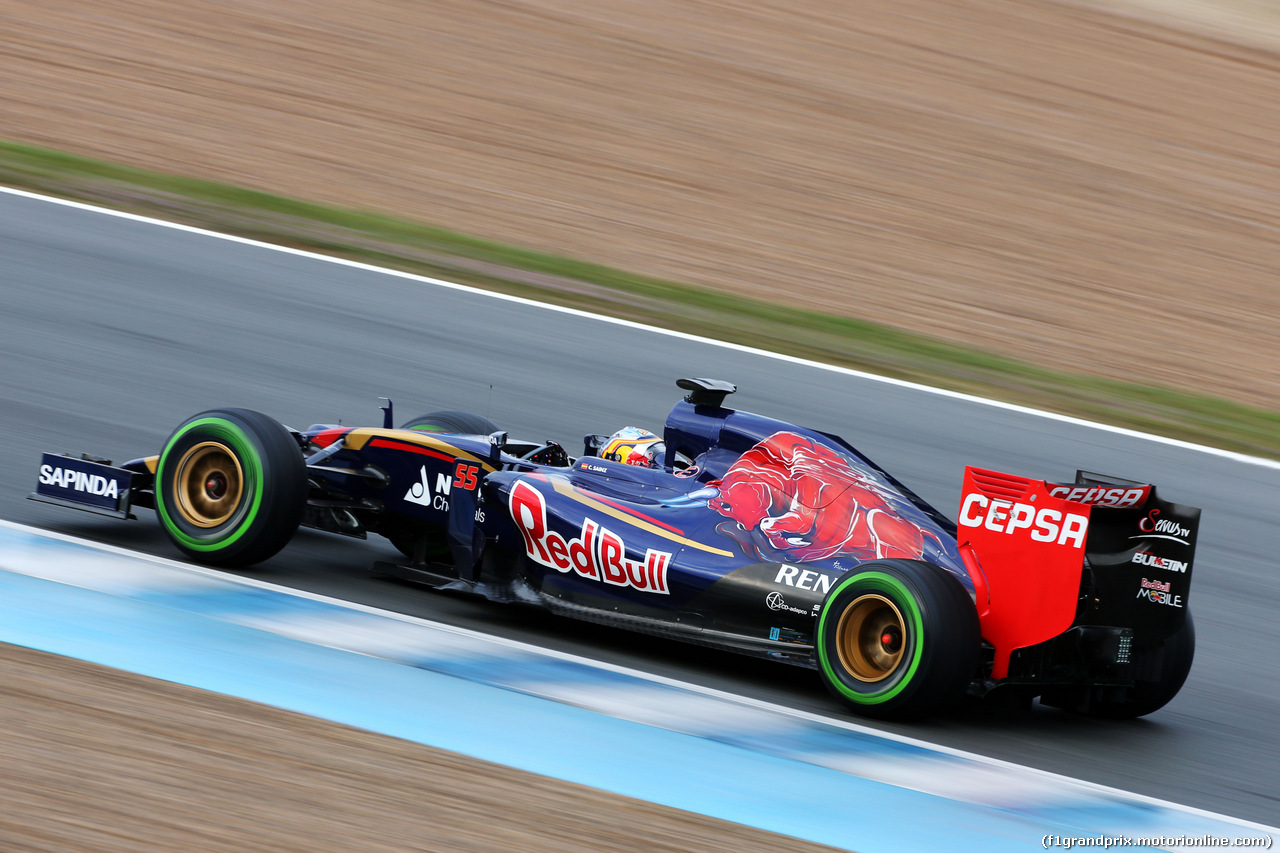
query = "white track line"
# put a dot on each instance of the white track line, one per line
(436, 282)
(635, 673)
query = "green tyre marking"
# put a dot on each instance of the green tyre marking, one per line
(912, 613)
(239, 442)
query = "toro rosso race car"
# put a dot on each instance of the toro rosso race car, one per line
(731, 530)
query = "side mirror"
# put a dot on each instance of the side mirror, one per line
(497, 441)
(591, 444)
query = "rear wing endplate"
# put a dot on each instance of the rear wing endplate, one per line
(1027, 543)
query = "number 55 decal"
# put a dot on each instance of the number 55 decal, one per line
(465, 476)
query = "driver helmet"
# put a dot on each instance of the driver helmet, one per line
(634, 446)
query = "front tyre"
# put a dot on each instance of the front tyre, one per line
(898, 639)
(231, 487)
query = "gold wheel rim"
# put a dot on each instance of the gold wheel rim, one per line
(208, 483)
(871, 638)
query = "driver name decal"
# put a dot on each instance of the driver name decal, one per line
(596, 553)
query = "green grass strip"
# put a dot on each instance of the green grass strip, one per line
(395, 243)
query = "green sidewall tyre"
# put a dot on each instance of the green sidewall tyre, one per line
(941, 640)
(271, 485)
(913, 641)
(226, 535)
(452, 423)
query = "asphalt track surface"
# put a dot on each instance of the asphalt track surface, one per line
(113, 331)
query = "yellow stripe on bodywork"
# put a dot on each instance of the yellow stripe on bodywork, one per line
(151, 462)
(565, 488)
(358, 438)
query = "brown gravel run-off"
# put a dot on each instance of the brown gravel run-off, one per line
(1042, 179)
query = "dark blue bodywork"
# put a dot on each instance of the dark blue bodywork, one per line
(465, 510)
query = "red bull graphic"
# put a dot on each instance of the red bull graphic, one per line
(1159, 593)
(596, 553)
(805, 502)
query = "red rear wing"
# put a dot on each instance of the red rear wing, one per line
(1024, 549)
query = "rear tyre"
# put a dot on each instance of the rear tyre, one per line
(231, 487)
(456, 423)
(1172, 661)
(898, 639)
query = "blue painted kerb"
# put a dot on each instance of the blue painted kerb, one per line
(490, 723)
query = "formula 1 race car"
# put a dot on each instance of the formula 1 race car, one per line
(733, 530)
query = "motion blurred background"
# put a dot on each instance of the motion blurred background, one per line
(1085, 186)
